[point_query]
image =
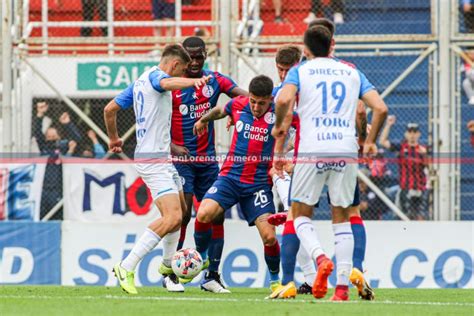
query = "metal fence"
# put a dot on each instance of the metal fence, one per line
(403, 60)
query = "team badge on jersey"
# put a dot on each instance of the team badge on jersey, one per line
(183, 109)
(212, 190)
(269, 118)
(239, 125)
(207, 91)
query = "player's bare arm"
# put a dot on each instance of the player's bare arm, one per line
(380, 110)
(179, 83)
(110, 117)
(216, 113)
(361, 122)
(282, 111)
(237, 91)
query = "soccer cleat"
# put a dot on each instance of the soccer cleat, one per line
(164, 270)
(364, 289)
(320, 285)
(305, 288)
(171, 283)
(205, 265)
(341, 293)
(126, 279)
(284, 291)
(212, 283)
(277, 219)
(274, 285)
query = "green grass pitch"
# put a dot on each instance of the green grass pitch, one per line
(56, 300)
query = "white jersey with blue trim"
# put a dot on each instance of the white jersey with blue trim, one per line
(329, 91)
(153, 107)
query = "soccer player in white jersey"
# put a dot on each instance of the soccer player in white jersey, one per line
(329, 92)
(151, 99)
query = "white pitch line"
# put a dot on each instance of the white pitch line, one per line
(215, 299)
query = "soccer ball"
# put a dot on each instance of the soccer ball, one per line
(186, 263)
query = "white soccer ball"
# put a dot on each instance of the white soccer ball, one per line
(186, 263)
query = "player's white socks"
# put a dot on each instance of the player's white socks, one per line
(344, 248)
(170, 243)
(283, 189)
(308, 237)
(144, 245)
(306, 265)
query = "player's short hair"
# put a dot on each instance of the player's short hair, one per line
(261, 86)
(194, 42)
(324, 22)
(318, 40)
(176, 50)
(288, 55)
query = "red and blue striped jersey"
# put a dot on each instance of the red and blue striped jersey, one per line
(251, 152)
(189, 105)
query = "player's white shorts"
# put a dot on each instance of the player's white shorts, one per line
(160, 178)
(340, 175)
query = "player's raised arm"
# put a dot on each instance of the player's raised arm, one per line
(374, 101)
(179, 83)
(283, 111)
(238, 91)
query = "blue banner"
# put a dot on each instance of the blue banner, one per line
(30, 253)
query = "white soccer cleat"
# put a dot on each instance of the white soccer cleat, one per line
(212, 283)
(171, 283)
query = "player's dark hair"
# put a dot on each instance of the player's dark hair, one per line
(324, 22)
(194, 42)
(176, 50)
(261, 86)
(288, 55)
(318, 40)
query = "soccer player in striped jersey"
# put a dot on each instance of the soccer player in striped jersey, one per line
(244, 177)
(150, 97)
(197, 165)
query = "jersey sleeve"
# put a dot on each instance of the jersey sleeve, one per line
(228, 107)
(155, 78)
(125, 98)
(226, 84)
(293, 77)
(365, 85)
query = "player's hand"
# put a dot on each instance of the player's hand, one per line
(230, 122)
(279, 164)
(199, 128)
(278, 132)
(115, 145)
(65, 118)
(370, 150)
(179, 151)
(467, 7)
(202, 81)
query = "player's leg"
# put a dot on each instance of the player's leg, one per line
(341, 187)
(306, 188)
(271, 248)
(187, 176)
(169, 244)
(205, 177)
(164, 187)
(282, 186)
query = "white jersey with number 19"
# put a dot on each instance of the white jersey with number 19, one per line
(329, 91)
